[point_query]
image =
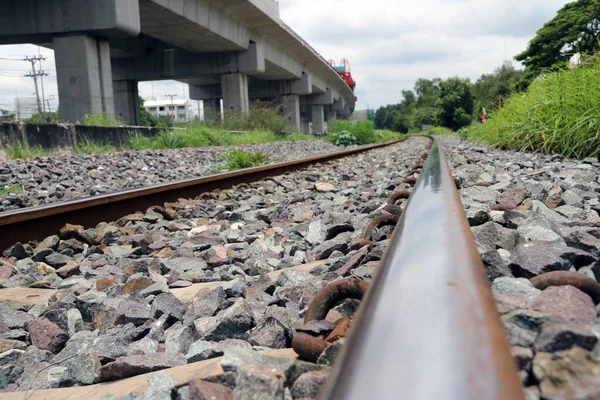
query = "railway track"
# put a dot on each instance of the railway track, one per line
(427, 326)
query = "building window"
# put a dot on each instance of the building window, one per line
(161, 109)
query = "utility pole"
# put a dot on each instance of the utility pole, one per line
(172, 104)
(42, 81)
(35, 75)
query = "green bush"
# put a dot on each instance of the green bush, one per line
(240, 159)
(560, 113)
(346, 133)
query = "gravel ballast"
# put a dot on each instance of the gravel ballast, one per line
(48, 180)
(115, 314)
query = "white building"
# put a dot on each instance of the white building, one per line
(25, 107)
(180, 110)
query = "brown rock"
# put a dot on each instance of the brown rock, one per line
(567, 302)
(9, 344)
(507, 304)
(164, 253)
(309, 384)
(104, 283)
(324, 186)
(554, 200)
(137, 285)
(512, 197)
(569, 374)
(103, 319)
(202, 390)
(46, 335)
(125, 367)
(67, 270)
(6, 271)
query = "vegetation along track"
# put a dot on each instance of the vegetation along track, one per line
(171, 289)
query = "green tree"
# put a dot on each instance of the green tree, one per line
(576, 28)
(427, 91)
(501, 83)
(455, 104)
(147, 119)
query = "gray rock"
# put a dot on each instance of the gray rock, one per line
(523, 326)
(540, 208)
(515, 287)
(309, 384)
(272, 334)
(84, 369)
(293, 277)
(256, 382)
(234, 287)
(160, 385)
(145, 346)
(133, 312)
(556, 336)
(57, 260)
(179, 338)
(495, 266)
(202, 350)
(536, 258)
(231, 323)
(13, 319)
(167, 303)
(324, 250)
(206, 304)
(330, 353)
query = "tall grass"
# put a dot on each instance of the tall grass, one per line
(560, 113)
(17, 150)
(86, 145)
(4, 190)
(100, 119)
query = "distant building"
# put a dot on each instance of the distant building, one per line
(360, 115)
(180, 110)
(25, 107)
(507, 64)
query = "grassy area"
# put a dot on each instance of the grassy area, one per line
(201, 135)
(560, 113)
(345, 133)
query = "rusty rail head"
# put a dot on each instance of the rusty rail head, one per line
(428, 327)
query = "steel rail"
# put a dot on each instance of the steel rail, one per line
(428, 327)
(36, 223)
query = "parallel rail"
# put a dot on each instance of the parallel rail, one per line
(37, 223)
(428, 328)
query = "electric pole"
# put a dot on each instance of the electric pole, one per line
(172, 104)
(35, 75)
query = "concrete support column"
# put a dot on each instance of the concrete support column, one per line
(331, 115)
(235, 93)
(318, 119)
(84, 75)
(291, 108)
(127, 102)
(212, 109)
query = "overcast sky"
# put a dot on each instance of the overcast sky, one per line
(389, 43)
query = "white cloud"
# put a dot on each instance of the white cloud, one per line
(390, 44)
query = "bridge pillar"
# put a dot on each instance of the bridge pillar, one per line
(212, 108)
(235, 93)
(84, 75)
(318, 119)
(127, 102)
(291, 108)
(331, 115)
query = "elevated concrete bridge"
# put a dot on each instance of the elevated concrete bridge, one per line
(230, 50)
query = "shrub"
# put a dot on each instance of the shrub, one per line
(345, 132)
(240, 159)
